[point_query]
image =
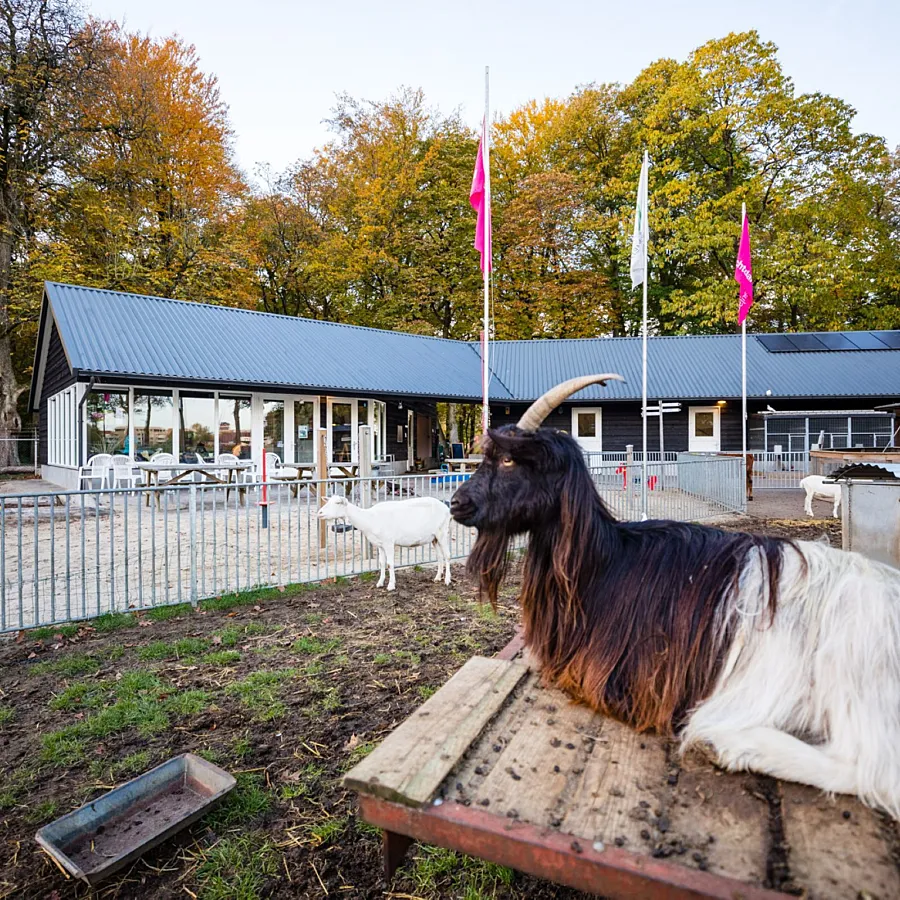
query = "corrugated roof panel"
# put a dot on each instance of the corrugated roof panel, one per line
(129, 334)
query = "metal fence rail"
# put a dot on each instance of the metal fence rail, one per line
(79, 554)
(781, 470)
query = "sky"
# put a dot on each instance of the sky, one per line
(280, 65)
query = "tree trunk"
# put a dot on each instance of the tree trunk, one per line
(452, 424)
(10, 423)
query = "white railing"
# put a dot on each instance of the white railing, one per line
(780, 470)
(80, 554)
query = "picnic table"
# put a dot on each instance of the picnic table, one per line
(498, 766)
(462, 465)
(211, 470)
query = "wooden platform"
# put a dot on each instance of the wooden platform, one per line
(499, 767)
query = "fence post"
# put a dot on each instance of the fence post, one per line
(365, 484)
(321, 476)
(193, 528)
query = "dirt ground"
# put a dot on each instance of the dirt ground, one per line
(286, 691)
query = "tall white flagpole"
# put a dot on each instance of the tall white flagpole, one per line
(644, 374)
(744, 366)
(486, 146)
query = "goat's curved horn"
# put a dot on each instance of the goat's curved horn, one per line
(542, 407)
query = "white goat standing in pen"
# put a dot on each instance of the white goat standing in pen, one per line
(816, 489)
(398, 523)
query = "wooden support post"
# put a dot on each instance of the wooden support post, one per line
(321, 476)
(365, 484)
(394, 848)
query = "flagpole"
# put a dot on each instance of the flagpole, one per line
(744, 367)
(644, 374)
(486, 138)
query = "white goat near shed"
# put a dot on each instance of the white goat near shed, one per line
(398, 523)
(816, 489)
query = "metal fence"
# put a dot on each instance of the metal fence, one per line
(19, 451)
(79, 554)
(781, 470)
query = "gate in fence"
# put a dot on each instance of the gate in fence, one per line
(80, 554)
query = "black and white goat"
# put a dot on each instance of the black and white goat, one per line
(781, 656)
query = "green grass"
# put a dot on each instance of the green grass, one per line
(113, 621)
(165, 613)
(69, 666)
(185, 648)
(236, 868)
(227, 602)
(486, 611)
(7, 714)
(221, 658)
(139, 701)
(315, 646)
(241, 748)
(439, 872)
(259, 692)
(247, 801)
(358, 754)
(398, 656)
(313, 618)
(42, 813)
(425, 691)
(381, 659)
(15, 786)
(49, 632)
(305, 784)
(230, 636)
(121, 769)
(326, 831)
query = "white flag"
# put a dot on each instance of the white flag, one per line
(641, 231)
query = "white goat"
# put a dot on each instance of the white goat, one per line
(816, 489)
(398, 523)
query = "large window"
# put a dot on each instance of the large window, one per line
(234, 425)
(304, 431)
(379, 429)
(341, 432)
(153, 423)
(62, 440)
(273, 427)
(107, 422)
(197, 425)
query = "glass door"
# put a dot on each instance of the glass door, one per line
(304, 432)
(342, 425)
(273, 427)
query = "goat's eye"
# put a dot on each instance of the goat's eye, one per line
(507, 462)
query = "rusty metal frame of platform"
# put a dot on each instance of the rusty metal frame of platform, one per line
(548, 854)
(551, 855)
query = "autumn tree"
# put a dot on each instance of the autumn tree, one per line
(49, 56)
(154, 200)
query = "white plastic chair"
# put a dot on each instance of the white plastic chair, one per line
(123, 472)
(164, 459)
(97, 467)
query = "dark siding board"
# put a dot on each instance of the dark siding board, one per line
(397, 416)
(57, 376)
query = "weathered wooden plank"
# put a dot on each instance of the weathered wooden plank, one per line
(832, 855)
(526, 762)
(721, 819)
(409, 766)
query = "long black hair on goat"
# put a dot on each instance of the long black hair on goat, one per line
(633, 619)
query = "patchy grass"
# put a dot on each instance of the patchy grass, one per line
(42, 813)
(303, 783)
(246, 802)
(326, 831)
(259, 692)
(236, 868)
(69, 666)
(397, 656)
(439, 873)
(425, 691)
(221, 658)
(315, 646)
(165, 613)
(113, 621)
(121, 769)
(51, 632)
(7, 714)
(185, 648)
(358, 754)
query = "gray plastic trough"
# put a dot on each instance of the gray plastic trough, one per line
(106, 834)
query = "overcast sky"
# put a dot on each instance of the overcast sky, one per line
(280, 64)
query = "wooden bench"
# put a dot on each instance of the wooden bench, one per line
(496, 766)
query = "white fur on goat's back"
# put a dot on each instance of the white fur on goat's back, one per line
(826, 670)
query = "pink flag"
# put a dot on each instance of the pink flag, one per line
(743, 273)
(480, 200)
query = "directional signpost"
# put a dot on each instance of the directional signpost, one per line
(661, 409)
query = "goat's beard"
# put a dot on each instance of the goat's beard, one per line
(489, 560)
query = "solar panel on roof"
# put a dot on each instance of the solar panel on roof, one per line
(836, 341)
(891, 338)
(866, 340)
(806, 342)
(776, 343)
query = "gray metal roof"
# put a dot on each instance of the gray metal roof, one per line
(114, 334)
(694, 366)
(118, 334)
